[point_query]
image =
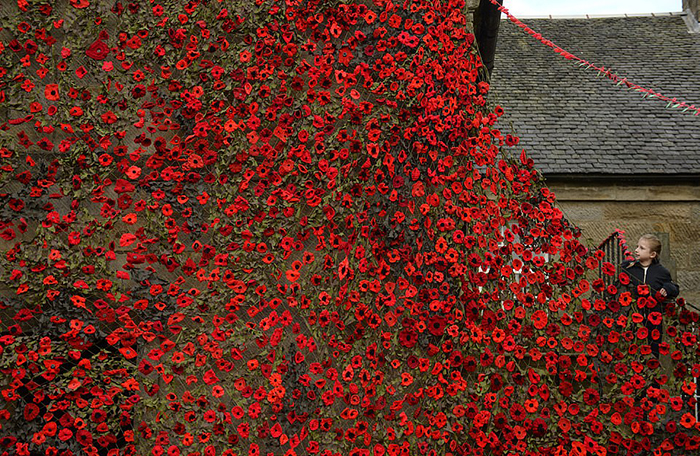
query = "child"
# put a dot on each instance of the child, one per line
(646, 270)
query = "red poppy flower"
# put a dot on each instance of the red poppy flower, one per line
(65, 434)
(98, 50)
(51, 92)
(108, 117)
(539, 319)
(133, 172)
(31, 411)
(80, 72)
(123, 186)
(687, 421)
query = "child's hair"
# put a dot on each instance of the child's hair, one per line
(654, 245)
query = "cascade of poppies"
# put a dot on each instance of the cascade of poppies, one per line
(293, 227)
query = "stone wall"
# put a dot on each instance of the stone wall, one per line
(670, 211)
(692, 5)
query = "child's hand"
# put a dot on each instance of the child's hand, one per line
(662, 292)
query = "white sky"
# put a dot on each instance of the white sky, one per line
(577, 7)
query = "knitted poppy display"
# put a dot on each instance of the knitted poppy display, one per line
(291, 227)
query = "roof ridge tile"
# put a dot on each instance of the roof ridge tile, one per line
(597, 16)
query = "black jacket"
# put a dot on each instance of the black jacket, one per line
(657, 277)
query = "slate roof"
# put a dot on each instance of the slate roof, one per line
(573, 122)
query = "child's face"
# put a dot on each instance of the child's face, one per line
(644, 253)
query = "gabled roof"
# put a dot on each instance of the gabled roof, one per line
(572, 121)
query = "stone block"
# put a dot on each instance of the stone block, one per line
(695, 212)
(693, 257)
(689, 283)
(685, 232)
(581, 211)
(653, 212)
(567, 192)
(597, 230)
(655, 193)
(635, 193)
(686, 256)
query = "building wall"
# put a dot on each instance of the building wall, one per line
(670, 211)
(692, 5)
